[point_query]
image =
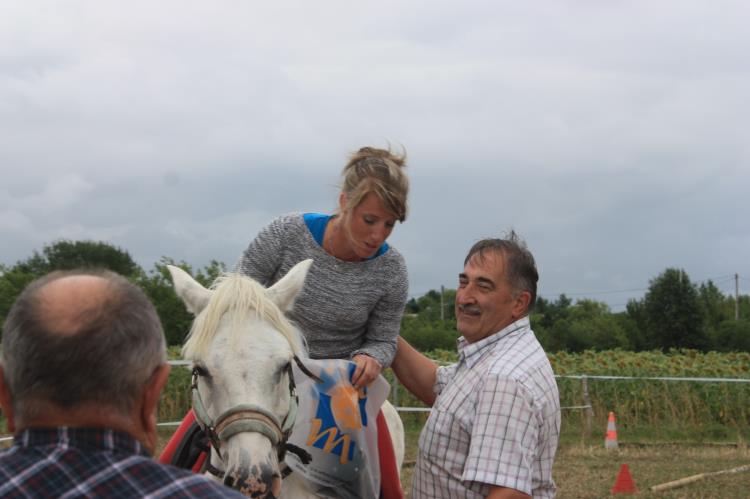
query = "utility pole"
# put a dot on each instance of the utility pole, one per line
(736, 297)
(442, 303)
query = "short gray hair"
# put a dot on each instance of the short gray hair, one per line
(117, 347)
(520, 270)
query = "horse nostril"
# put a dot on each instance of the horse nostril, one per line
(255, 482)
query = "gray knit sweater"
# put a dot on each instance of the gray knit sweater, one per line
(345, 308)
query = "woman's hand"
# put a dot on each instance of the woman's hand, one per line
(367, 370)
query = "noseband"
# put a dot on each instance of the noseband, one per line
(251, 418)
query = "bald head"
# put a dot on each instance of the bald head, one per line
(77, 338)
(68, 302)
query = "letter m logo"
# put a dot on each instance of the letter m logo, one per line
(329, 441)
(326, 435)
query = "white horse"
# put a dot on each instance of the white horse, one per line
(242, 348)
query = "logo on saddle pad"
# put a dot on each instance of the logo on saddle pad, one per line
(341, 411)
(336, 425)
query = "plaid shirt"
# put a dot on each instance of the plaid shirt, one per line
(87, 462)
(495, 422)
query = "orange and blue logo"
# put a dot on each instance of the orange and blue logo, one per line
(340, 414)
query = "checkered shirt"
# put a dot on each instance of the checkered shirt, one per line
(88, 462)
(496, 420)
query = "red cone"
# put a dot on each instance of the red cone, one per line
(624, 483)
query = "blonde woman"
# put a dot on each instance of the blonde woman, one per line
(356, 290)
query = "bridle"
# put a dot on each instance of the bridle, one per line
(251, 418)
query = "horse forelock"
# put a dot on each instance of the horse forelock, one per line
(236, 295)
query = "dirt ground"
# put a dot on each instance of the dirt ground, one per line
(590, 472)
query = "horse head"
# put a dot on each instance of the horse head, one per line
(241, 346)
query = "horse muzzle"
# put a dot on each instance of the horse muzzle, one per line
(261, 482)
(256, 474)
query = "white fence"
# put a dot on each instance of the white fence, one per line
(583, 377)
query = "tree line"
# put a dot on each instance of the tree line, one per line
(674, 312)
(156, 282)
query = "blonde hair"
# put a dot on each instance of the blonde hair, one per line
(377, 171)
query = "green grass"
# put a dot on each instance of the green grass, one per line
(590, 471)
(585, 469)
(573, 431)
(176, 398)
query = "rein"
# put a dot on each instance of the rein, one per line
(251, 418)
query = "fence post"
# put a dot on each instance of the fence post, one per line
(588, 411)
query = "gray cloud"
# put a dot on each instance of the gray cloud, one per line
(612, 136)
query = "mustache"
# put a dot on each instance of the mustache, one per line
(469, 309)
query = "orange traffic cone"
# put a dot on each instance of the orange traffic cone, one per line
(610, 442)
(624, 483)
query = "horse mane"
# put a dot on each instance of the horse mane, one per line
(237, 295)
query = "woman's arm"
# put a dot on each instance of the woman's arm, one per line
(383, 325)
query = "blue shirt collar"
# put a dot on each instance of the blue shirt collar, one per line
(316, 224)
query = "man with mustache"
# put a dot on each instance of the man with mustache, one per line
(495, 418)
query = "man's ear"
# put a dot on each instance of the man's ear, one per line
(6, 402)
(150, 402)
(521, 305)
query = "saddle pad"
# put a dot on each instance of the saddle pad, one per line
(336, 425)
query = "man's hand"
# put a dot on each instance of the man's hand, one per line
(367, 370)
(506, 493)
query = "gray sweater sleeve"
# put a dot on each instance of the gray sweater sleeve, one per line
(384, 324)
(344, 308)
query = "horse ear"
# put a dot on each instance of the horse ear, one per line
(286, 289)
(192, 293)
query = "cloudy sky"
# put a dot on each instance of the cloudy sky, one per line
(613, 135)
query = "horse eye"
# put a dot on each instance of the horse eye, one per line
(199, 370)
